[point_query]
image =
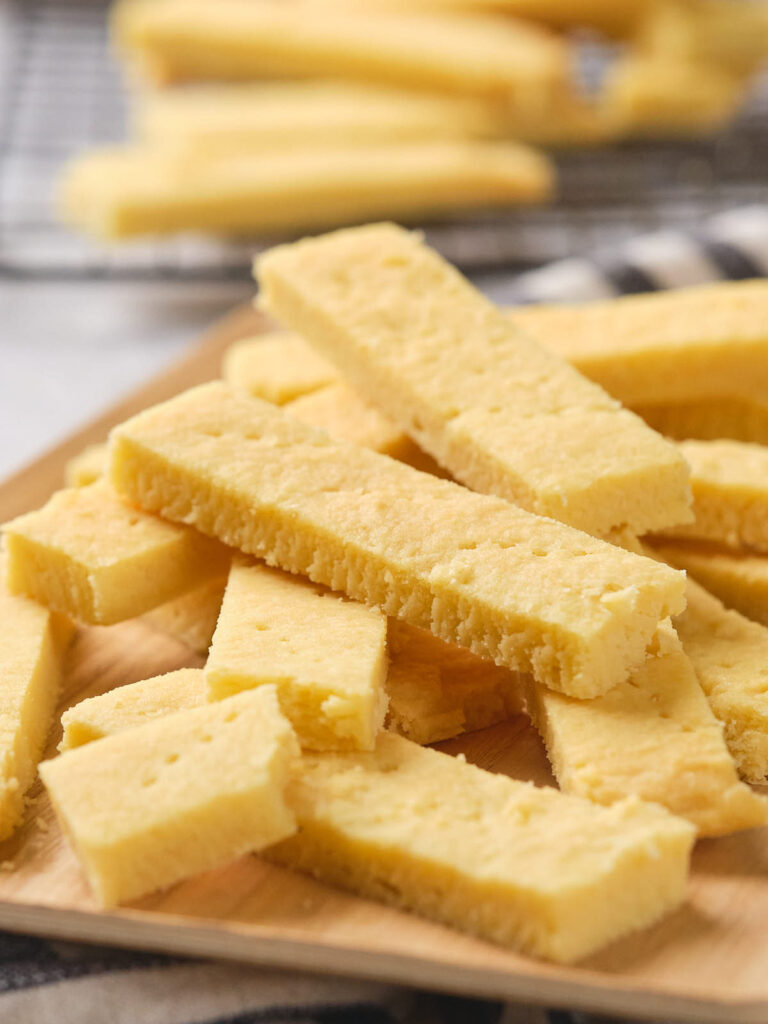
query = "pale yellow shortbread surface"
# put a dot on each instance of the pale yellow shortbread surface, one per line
(87, 467)
(738, 578)
(260, 117)
(124, 191)
(729, 480)
(730, 656)
(707, 342)
(327, 656)
(653, 736)
(150, 806)
(503, 414)
(31, 653)
(277, 366)
(229, 40)
(437, 690)
(127, 707)
(658, 95)
(93, 558)
(551, 875)
(524, 591)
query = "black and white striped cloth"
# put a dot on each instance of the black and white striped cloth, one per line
(44, 981)
(730, 246)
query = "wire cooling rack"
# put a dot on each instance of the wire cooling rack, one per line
(61, 92)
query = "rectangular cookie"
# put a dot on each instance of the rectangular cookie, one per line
(707, 342)
(653, 736)
(150, 806)
(326, 656)
(524, 591)
(729, 480)
(730, 656)
(261, 117)
(738, 578)
(502, 414)
(31, 653)
(121, 192)
(490, 58)
(548, 874)
(94, 559)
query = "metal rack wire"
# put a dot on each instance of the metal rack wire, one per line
(61, 92)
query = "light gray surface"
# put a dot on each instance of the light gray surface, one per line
(68, 350)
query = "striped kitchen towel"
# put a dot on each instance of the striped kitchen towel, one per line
(730, 246)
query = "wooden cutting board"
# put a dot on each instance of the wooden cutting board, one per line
(706, 962)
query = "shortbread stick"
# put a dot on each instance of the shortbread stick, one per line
(653, 736)
(730, 656)
(548, 874)
(729, 480)
(31, 654)
(526, 592)
(709, 342)
(230, 40)
(150, 806)
(668, 96)
(262, 117)
(502, 414)
(738, 578)
(326, 656)
(126, 191)
(94, 559)
(739, 419)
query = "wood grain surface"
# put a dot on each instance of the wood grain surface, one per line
(706, 962)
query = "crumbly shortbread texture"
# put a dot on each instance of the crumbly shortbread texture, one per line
(653, 736)
(729, 480)
(548, 874)
(503, 414)
(730, 656)
(524, 591)
(95, 559)
(182, 794)
(34, 642)
(326, 655)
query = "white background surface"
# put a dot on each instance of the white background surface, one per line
(70, 349)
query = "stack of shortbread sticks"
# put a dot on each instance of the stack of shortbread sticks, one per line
(408, 520)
